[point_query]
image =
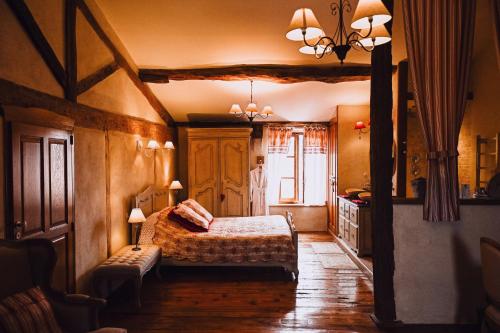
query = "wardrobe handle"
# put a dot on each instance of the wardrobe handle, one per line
(222, 197)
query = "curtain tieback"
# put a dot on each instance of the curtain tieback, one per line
(442, 154)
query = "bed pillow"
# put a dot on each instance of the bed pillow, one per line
(188, 218)
(195, 205)
(26, 312)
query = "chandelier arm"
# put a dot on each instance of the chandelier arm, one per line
(325, 51)
(357, 43)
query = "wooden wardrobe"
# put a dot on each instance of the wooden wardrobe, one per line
(219, 169)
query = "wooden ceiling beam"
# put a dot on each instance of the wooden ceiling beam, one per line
(274, 73)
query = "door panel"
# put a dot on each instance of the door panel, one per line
(58, 182)
(203, 173)
(41, 193)
(332, 180)
(234, 177)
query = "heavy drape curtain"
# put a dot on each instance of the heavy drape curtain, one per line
(278, 139)
(439, 39)
(315, 149)
(495, 11)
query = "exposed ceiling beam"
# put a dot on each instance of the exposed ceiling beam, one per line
(96, 77)
(274, 73)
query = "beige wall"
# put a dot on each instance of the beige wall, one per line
(101, 158)
(437, 277)
(305, 218)
(353, 153)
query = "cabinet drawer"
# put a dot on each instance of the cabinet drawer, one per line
(353, 236)
(346, 230)
(342, 208)
(341, 227)
(353, 215)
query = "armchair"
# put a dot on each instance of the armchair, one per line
(31, 263)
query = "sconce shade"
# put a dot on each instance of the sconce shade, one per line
(235, 109)
(267, 110)
(175, 185)
(304, 18)
(370, 8)
(169, 145)
(359, 125)
(152, 144)
(380, 34)
(136, 216)
(251, 108)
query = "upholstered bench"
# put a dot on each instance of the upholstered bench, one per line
(125, 265)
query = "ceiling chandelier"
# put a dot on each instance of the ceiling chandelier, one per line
(251, 111)
(369, 17)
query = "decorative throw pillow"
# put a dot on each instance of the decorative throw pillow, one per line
(188, 218)
(195, 205)
(27, 312)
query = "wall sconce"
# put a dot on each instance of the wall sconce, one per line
(175, 186)
(361, 127)
(153, 145)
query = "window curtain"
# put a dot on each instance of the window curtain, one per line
(439, 39)
(495, 11)
(315, 149)
(278, 139)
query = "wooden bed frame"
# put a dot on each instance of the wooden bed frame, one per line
(155, 199)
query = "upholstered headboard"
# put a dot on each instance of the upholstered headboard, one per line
(152, 200)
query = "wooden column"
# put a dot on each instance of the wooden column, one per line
(70, 49)
(381, 138)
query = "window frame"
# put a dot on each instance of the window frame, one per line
(296, 158)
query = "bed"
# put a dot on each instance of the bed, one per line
(253, 241)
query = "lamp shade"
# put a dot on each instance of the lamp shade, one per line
(267, 110)
(136, 216)
(303, 19)
(251, 108)
(359, 125)
(153, 144)
(169, 145)
(379, 34)
(367, 9)
(235, 109)
(175, 185)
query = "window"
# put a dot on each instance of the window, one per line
(291, 178)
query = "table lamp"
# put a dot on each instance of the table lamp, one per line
(175, 186)
(136, 218)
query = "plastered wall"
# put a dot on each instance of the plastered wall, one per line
(353, 152)
(109, 170)
(437, 278)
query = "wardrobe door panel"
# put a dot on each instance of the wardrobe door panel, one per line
(234, 174)
(203, 173)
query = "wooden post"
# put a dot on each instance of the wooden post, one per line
(70, 48)
(381, 141)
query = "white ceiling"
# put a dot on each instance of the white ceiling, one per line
(201, 33)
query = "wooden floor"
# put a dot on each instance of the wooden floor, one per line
(250, 300)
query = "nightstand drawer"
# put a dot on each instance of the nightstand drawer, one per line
(346, 230)
(341, 226)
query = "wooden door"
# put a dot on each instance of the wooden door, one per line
(332, 179)
(204, 173)
(234, 175)
(40, 190)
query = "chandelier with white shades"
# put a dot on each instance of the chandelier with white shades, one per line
(251, 111)
(369, 18)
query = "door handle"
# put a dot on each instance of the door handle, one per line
(222, 197)
(20, 224)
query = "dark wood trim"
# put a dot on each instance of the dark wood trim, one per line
(26, 19)
(86, 83)
(84, 116)
(123, 63)
(275, 73)
(402, 131)
(398, 327)
(381, 166)
(70, 50)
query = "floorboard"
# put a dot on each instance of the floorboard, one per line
(250, 300)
